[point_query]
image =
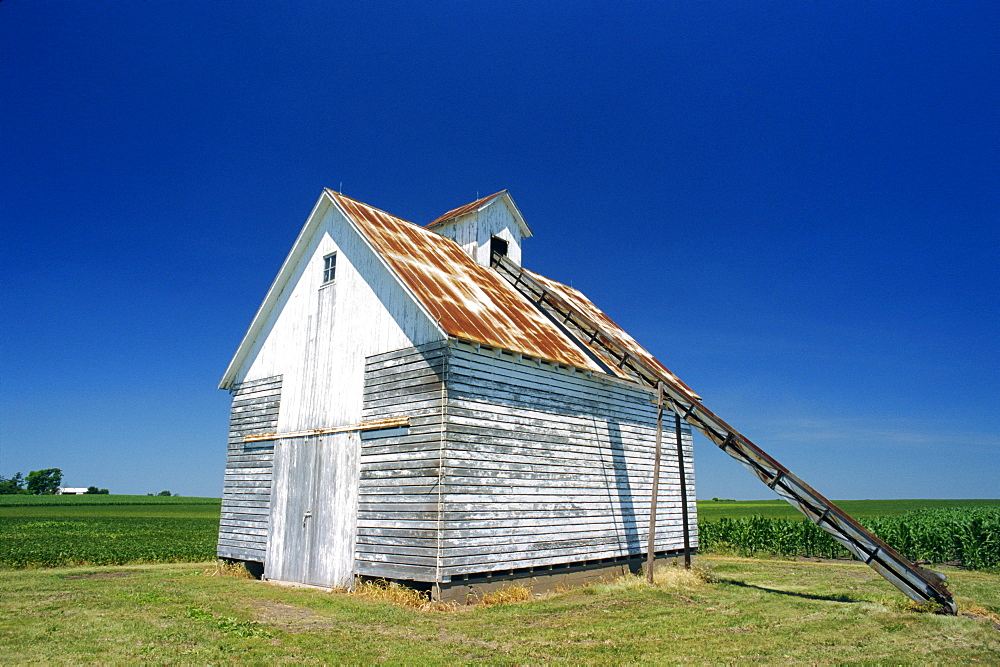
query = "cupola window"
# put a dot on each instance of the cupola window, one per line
(498, 246)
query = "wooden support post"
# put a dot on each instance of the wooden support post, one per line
(650, 550)
(684, 500)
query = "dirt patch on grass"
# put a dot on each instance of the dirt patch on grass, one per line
(290, 618)
(101, 575)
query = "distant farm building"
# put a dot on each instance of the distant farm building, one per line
(68, 491)
(401, 410)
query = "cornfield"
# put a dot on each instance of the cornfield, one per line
(968, 536)
(97, 535)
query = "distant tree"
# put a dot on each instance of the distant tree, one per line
(104, 491)
(13, 485)
(94, 489)
(44, 482)
(163, 493)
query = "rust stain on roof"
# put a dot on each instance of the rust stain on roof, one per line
(468, 208)
(472, 302)
(468, 300)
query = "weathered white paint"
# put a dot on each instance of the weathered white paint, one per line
(246, 492)
(506, 461)
(317, 336)
(528, 464)
(371, 425)
(474, 230)
(570, 459)
(313, 509)
(408, 382)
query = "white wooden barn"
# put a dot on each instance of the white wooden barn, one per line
(400, 410)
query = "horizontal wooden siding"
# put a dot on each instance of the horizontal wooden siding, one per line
(547, 465)
(246, 494)
(400, 469)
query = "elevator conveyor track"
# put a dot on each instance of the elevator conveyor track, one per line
(914, 581)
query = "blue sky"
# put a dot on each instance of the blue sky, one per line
(793, 205)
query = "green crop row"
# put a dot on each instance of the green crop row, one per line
(52, 542)
(779, 509)
(967, 536)
(100, 499)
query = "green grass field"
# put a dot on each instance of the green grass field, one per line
(750, 610)
(755, 610)
(961, 532)
(102, 500)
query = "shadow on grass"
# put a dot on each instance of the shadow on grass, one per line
(806, 596)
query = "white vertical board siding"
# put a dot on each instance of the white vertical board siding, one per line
(313, 505)
(399, 495)
(546, 465)
(473, 231)
(246, 493)
(317, 336)
(497, 220)
(464, 231)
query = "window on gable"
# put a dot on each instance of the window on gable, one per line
(329, 268)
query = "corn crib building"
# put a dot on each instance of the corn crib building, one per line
(402, 410)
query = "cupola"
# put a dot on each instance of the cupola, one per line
(486, 225)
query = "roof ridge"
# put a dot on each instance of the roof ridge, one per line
(466, 208)
(367, 205)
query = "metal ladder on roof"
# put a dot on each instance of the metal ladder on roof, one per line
(915, 582)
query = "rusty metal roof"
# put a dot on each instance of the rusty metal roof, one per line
(474, 303)
(469, 301)
(468, 208)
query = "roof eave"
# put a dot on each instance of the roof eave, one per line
(257, 324)
(516, 212)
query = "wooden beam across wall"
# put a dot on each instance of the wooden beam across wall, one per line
(370, 425)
